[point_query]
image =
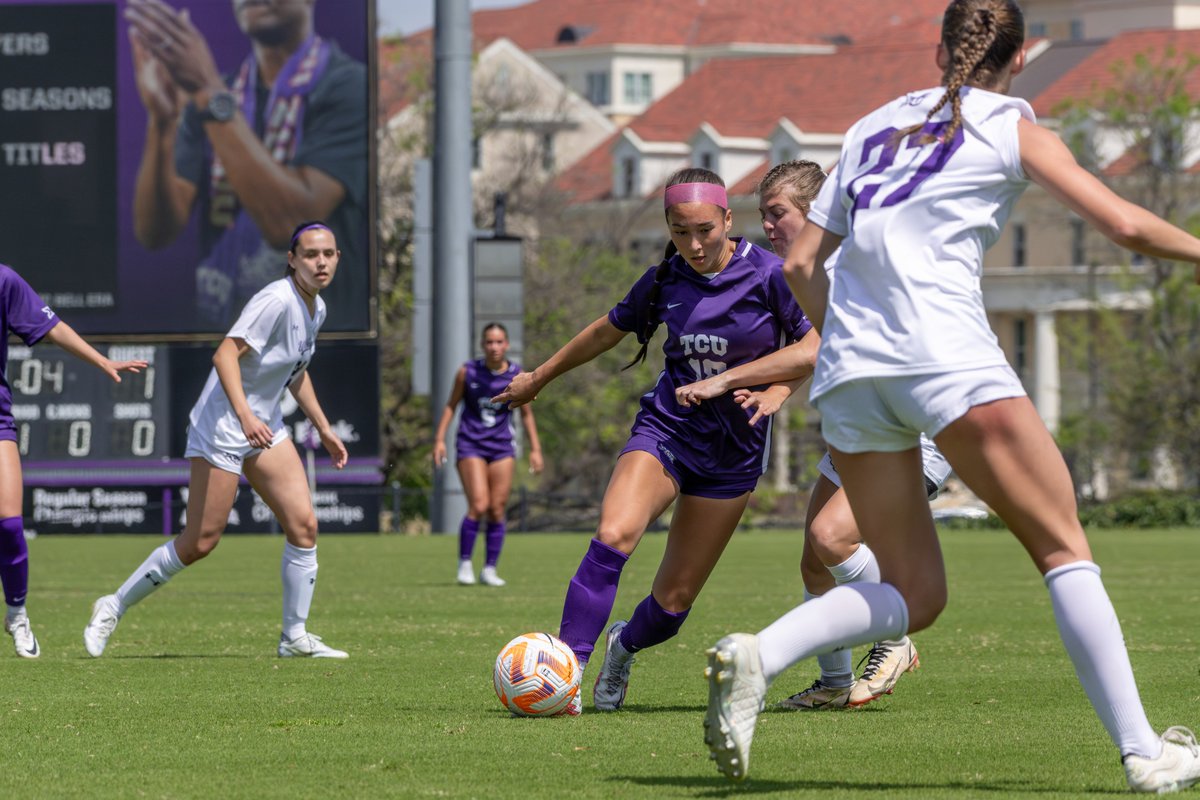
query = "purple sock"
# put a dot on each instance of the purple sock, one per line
(466, 538)
(651, 624)
(14, 560)
(495, 541)
(590, 598)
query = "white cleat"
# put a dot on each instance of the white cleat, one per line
(574, 708)
(17, 626)
(466, 574)
(308, 645)
(736, 689)
(612, 681)
(488, 577)
(1177, 767)
(106, 613)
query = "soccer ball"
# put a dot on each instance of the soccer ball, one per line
(536, 675)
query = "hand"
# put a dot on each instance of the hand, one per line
(707, 389)
(337, 450)
(764, 403)
(113, 369)
(523, 389)
(160, 95)
(535, 462)
(257, 432)
(172, 39)
(439, 455)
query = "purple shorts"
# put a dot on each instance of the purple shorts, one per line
(488, 453)
(691, 481)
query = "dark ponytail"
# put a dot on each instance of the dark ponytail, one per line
(647, 332)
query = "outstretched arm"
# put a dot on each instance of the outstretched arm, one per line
(306, 397)
(439, 437)
(1052, 166)
(65, 337)
(590, 342)
(792, 364)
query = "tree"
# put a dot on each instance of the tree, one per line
(1144, 365)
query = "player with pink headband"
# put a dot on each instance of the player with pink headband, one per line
(723, 302)
(236, 428)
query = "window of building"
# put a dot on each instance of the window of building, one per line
(637, 87)
(1078, 257)
(597, 88)
(706, 160)
(628, 176)
(1018, 254)
(1037, 30)
(1076, 29)
(548, 160)
(1020, 347)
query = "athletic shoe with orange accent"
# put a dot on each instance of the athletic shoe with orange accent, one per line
(886, 662)
(612, 681)
(1177, 767)
(575, 708)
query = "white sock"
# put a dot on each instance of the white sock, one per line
(299, 572)
(844, 616)
(15, 611)
(837, 667)
(157, 569)
(1092, 635)
(861, 567)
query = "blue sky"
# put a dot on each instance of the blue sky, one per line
(406, 16)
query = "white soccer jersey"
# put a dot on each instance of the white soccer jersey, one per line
(282, 337)
(905, 297)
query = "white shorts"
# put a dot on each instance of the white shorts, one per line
(890, 413)
(228, 459)
(934, 465)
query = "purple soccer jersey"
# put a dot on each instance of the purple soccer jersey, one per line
(485, 429)
(21, 312)
(742, 313)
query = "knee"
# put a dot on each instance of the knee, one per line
(815, 575)
(304, 533)
(192, 550)
(675, 599)
(496, 514)
(477, 509)
(925, 604)
(831, 543)
(618, 538)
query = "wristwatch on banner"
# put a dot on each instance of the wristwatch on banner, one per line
(221, 107)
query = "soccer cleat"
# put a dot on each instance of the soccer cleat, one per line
(612, 681)
(309, 645)
(466, 575)
(1177, 767)
(488, 577)
(736, 689)
(17, 626)
(885, 664)
(106, 613)
(817, 697)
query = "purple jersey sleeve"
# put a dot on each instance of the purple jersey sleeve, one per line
(783, 305)
(630, 314)
(24, 312)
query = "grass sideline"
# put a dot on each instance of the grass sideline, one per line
(191, 701)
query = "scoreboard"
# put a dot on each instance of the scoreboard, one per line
(66, 409)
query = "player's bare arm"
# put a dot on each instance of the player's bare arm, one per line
(225, 360)
(792, 363)
(593, 340)
(306, 397)
(65, 337)
(805, 272)
(439, 436)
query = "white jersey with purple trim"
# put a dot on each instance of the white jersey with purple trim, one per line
(282, 337)
(905, 297)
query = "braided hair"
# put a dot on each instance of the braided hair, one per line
(981, 37)
(663, 270)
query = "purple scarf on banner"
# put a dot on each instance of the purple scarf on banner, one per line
(241, 263)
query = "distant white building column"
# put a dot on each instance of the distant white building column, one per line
(1045, 368)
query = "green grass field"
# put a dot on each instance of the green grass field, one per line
(190, 700)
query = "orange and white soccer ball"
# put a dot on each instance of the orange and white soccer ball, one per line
(536, 675)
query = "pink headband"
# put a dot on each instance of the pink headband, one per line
(695, 193)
